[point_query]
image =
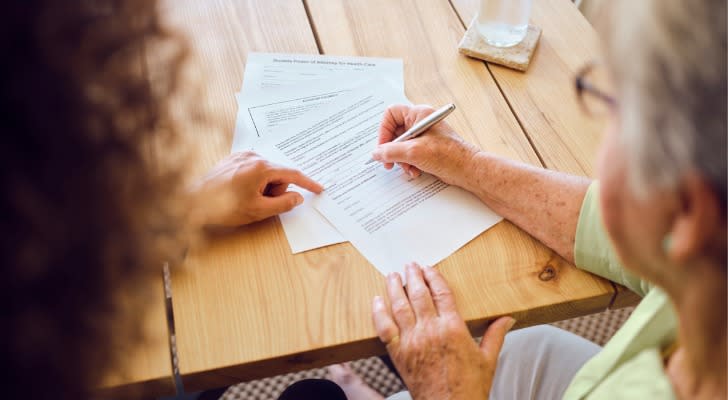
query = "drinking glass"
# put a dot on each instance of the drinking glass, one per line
(504, 23)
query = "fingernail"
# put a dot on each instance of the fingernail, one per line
(411, 173)
(511, 323)
(376, 155)
(299, 200)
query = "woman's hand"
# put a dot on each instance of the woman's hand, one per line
(245, 188)
(440, 152)
(429, 342)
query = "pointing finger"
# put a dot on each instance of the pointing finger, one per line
(288, 175)
(280, 204)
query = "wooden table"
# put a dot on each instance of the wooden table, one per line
(246, 308)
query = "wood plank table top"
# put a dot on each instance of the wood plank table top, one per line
(544, 98)
(245, 307)
(563, 135)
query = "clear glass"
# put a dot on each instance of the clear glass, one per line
(504, 23)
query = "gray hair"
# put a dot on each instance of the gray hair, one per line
(668, 59)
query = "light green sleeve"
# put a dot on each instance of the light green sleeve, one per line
(593, 250)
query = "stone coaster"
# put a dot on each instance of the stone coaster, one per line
(516, 57)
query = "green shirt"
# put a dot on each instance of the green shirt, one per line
(630, 365)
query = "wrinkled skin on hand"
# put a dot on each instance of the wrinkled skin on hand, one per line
(440, 151)
(428, 341)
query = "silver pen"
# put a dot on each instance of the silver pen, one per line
(423, 125)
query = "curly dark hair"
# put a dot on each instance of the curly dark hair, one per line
(87, 216)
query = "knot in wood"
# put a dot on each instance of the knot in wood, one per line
(548, 273)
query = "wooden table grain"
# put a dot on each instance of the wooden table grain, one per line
(543, 99)
(245, 307)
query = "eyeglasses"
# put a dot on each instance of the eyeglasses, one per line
(595, 102)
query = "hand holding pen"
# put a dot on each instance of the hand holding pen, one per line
(440, 152)
(420, 126)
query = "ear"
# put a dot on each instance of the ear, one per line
(698, 222)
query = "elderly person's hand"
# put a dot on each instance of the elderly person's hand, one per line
(429, 342)
(244, 188)
(440, 152)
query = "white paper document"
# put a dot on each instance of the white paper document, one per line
(261, 115)
(265, 71)
(390, 218)
(279, 89)
(264, 115)
(305, 228)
